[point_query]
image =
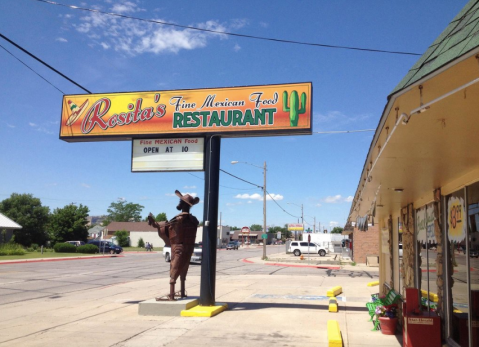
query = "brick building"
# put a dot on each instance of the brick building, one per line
(365, 243)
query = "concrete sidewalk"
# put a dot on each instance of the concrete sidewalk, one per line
(264, 310)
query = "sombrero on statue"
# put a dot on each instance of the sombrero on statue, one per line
(187, 198)
(76, 111)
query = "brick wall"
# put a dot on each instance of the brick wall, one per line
(365, 243)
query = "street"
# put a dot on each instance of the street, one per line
(95, 302)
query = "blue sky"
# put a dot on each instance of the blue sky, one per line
(110, 54)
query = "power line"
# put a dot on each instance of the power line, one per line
(41, 61)
(220, 184)
(261, 188)
(280, 206)
(6, 50)
(229, 33)
(238, 178)
(342, 131)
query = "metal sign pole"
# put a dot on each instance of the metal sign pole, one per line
(210, 218)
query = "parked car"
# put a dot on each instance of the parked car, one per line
(300, 247)
(106, 246)
(76, 243)
(474, 253)
(232, 245)
(195, 257)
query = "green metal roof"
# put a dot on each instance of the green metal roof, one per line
(460, 37)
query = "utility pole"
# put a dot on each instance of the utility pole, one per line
(264, 213)
(220, 232)
(314, 225)
(302, 222)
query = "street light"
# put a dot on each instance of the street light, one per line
(264, 200)
(314, 223)
(302, 216)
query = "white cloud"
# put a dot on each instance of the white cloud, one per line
(61, 39)
(41, 128)
(332, 199)
(337, 120)
(333, 224)
(10, 125)
(135, 37)
(236, 48)
(189, 187)
(275, 197)
(318, 205)
(85, 185)
(125, 7)
(264, 24)
(238, 23)
(349, 199)
(259, 197)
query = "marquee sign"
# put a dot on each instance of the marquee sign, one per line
(172, 154)
(283, 109)
(295, 227)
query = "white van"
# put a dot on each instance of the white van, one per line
(300, 247)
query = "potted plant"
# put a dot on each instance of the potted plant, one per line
(388, 320)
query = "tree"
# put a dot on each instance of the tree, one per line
(337, 230)
(69, 224)
(256, 227)
(141, 243)
(27, 211)
(122, 238)
(121, 211)
(161, 217)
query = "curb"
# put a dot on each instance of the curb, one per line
(6, 262)
(295, 265)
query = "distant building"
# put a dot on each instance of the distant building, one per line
(136, 231)
(7, 226)
(95, 220)
(95, 232)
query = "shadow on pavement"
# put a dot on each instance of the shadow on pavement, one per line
(247, 306)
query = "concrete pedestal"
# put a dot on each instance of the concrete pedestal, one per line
(166, 308)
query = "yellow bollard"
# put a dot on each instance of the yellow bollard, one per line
(334, 291)
(333, 305)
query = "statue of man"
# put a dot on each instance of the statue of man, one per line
(180, 234)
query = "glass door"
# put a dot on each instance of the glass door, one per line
(456, 225)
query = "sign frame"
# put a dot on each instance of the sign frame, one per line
(186, 170)
(69, 134)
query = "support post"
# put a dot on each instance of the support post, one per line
(210, 218)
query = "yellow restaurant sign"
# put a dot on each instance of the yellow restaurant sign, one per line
(237, 111)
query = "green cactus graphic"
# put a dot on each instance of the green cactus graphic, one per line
(295, 108)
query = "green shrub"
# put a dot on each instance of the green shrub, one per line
(123, 238)
(34, 246)
(141, 243)
(91, 249)
(65, 248)
(30, 249)
(11, 249)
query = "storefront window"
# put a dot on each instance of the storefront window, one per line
(473, 265)
(400, 258)
(426, 248)
(456, 238)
